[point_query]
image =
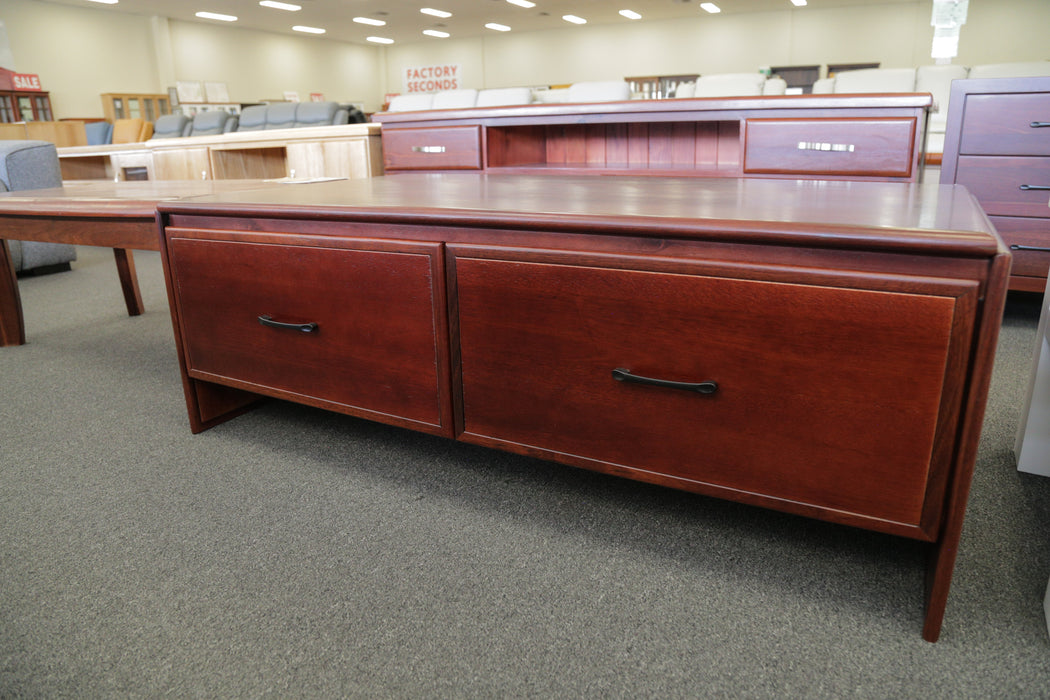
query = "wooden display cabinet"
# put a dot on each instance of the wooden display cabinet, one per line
(125, 105)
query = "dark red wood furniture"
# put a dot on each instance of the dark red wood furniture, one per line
(855, 137)
(997, 144)
(821, 348)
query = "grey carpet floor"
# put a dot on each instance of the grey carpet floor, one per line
(297, 553)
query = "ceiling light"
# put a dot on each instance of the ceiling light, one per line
(435, 32)
(369, 20)
(497, 27)
(308, 30)
(798, 3)
(380, 40)
(574, 19)
(105, 2)
(630, 14)
(216, 15)
(522, 3)
(710, 7)
(436, 13)
(287, 6)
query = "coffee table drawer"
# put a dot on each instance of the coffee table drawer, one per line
(1006, 124)
(432, 148)
(1029, 243)
(830, 397)
(351, 329)
(878, 147)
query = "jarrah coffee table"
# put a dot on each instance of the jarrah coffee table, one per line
(117, 215)
(820, 348)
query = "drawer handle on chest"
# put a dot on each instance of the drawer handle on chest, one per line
(1034, 187)
(428, 149)
(624, 375)
(1039, 249)
(301, 327)
(1039, 125)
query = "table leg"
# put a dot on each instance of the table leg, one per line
(12, 326)
(129, 283)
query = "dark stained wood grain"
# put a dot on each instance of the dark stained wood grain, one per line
(850, 326)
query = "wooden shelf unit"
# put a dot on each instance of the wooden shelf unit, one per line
(869, 137)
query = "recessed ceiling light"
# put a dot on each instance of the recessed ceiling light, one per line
(630, 14)
(105, 2)
(710, 7)
(369, 20)
(308, 30)
(798, 3)
(287, 6)
(216, 15)
(522, 3)
(574, 19)
(380, 40)
(497, 27)
(436, 13)
(437, 33)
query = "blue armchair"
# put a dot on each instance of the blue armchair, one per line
(31, 165)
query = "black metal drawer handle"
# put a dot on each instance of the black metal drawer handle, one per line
(1035, 187)
(301, 327)
(624, 375)
(1039, 125)
(1036, 248)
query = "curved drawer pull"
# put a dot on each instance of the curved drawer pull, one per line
(1039, 125)
(1035, 187)
(301, 327)
(624, 375)
(1040, 249)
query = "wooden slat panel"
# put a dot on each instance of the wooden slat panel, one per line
(660, 145)
(638, 145)
(616, 144)
(594, 142)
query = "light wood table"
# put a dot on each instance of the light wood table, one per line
(117, 215)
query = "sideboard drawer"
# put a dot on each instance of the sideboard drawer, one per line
(878, 147)
(433, 148)
(1007, 186)
(1002, 124)
(826, 396)
(1032, 258)
(373, 350)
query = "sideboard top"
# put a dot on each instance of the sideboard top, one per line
(834, 214)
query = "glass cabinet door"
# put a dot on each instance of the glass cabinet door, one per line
(25, 108)
(7, 109)
(42, 107)
(118, 107)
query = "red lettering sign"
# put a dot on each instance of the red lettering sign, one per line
(26, 81)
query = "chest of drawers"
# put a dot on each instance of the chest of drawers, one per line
(997, 144)
(822, 349)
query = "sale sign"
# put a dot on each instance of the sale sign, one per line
(25, 81)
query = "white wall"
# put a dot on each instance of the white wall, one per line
(80, 53)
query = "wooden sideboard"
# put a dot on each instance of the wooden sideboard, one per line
(997, 144)
(855, 137)
(346, 151)
(820, 348)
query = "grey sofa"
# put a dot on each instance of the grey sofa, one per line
(30, 165)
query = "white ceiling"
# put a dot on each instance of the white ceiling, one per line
(405, 23)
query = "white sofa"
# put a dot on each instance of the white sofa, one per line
(936, 80)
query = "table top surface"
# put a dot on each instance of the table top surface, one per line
(825, 213)
(102, 198)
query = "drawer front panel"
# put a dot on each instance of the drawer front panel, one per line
(442, 148)
(825, 396)
(374, 350)
(873, 147)
(1029, 234)
(998, 184)
(1002, 125)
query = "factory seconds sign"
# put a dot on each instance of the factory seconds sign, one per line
(444, 76)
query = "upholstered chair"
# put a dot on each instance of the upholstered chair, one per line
(98, 133)
(315, 113)
(209, 123)
(171, 126)
(33, 165)
(252, 118)
(281, 115)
